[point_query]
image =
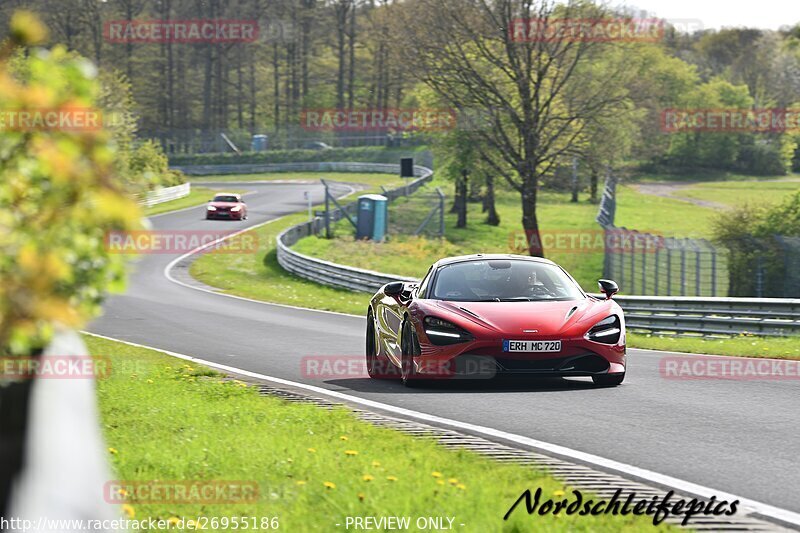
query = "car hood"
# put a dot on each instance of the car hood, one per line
(546, 317)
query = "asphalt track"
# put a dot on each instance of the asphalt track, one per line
(740, 437)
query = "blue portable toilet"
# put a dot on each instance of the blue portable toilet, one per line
(372, 217)
(259, 143)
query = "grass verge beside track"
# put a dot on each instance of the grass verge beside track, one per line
(165, 419)
(259, 276)
(740, 346)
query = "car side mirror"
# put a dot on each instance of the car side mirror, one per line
(608, 287)
(394, 288)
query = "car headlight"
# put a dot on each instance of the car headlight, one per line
(211, 208)
(236, 209)
(606, 331)
(442, 333)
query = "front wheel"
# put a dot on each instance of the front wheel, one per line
(408, 349)
(608, 380)
(373, 363)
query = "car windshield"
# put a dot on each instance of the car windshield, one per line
(503, 281)
(225, 198)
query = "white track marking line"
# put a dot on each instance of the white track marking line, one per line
(686, 487)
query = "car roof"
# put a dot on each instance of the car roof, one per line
(489, 257)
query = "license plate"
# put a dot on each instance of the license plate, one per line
(531, 346)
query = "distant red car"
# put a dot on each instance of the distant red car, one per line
(490, 315)
(226, 206)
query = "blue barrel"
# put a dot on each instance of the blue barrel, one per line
(259, 143)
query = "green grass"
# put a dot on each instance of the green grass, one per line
(707, 175)
(366, 178)
(741, 346)
(165, 419)
(198, 196)
(740, 193)
(411, 256)
(259, 276)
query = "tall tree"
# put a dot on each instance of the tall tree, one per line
(477, 58)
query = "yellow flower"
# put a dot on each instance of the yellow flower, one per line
(436, 474)
(113, 451)
(174, 521)
(342, 438)
(440, 482)
(376, 463)
(350, 452)
(301, 482)
(461, 486)
(329, 485)
(128, 510)
(452, 481)
(312, 450)
(558, 493)
(367, 477)
(289, 460)
(149, 380)
(122, 492)
(361, 496)
(391, 478)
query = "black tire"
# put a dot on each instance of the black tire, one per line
(408, 349)
(374, 367)
(608, 380)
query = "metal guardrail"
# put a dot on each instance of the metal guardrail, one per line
(166, 194)
(332, 274)
(712, 316)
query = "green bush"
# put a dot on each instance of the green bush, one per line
(149, 165)
(60, 195)
(758, 252)
(762, 157)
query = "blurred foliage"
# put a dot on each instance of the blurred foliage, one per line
(60, 193)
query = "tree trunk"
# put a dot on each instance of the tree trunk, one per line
(462, 200)
(593, 185)
(492, 218)
(351, 43)
(529, 221)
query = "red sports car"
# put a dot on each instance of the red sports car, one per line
(488, 315)
(227, 206)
